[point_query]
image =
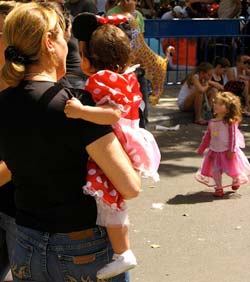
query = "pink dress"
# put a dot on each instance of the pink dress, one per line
(220, 138)
(123, 91)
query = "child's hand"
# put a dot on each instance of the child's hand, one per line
(73, 108)
(230, 155)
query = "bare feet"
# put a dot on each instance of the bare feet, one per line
(201, 121)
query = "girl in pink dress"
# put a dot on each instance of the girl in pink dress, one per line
(114, 85)
(224, 140)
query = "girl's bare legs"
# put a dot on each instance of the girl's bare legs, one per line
(119, 239)
(123, 258)
(194, 101)
(218, 181)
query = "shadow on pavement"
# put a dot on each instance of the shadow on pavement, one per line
(200, 197)
(171, 170)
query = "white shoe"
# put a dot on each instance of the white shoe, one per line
(120, 264)
(8, 277)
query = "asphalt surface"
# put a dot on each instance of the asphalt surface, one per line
(179, 231)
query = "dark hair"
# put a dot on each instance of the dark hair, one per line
(109, 48)
(222, 61)
(6, 7)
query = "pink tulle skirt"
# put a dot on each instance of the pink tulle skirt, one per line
(217, 163)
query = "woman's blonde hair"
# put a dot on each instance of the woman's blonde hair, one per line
(25, 28)
(232, 104)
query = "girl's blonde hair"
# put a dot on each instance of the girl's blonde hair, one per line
(25, 28)
(232, 104)
(202, 67)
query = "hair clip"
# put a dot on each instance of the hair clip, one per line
(12, 54)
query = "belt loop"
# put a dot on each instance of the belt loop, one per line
(102, 231)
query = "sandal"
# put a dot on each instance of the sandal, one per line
(218, 192)
(201, 122)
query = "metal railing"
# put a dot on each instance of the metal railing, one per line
(196, 41)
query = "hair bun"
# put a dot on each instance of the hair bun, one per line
(12, 54)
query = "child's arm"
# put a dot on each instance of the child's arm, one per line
(232, 140)
(5, 174)
(205, 142)
(104, 114)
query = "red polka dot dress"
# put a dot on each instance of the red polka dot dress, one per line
(122, 91)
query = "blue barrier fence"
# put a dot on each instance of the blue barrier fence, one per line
(197, 40)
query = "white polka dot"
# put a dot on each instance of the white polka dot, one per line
(128, 88)
(101, 73)
(113, 77)
(98, 179)
(111, 17)
(125, 99)
(87, 82)
(118, 90)
(105, 184)
(99, 193)
(97, 91)
(88, 184)
(112, 193)
(120, 17)
(91, 171)
(136, 158)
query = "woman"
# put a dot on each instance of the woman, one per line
(7, 205)
(193, 91)
(57, 238)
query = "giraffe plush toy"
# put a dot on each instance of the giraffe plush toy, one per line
(155, 66)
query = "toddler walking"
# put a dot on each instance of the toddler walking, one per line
(224, 140)
(114, 85)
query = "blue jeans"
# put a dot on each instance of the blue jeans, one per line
(7, 243)
(61, 257)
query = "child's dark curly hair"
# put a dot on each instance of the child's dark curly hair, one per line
(109, 48)
(232, 104)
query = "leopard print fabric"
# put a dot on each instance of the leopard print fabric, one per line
(154, 65)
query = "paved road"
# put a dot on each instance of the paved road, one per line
(195, 237)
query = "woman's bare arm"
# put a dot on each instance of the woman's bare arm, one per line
(5, 174)
(199, 86)
(114, 162)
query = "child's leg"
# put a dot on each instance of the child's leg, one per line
(218, 181)
(123, 258)
(118, 237)
(235, 184)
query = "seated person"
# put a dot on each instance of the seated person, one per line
(193, 91)
(217, 80)
(237, 81)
